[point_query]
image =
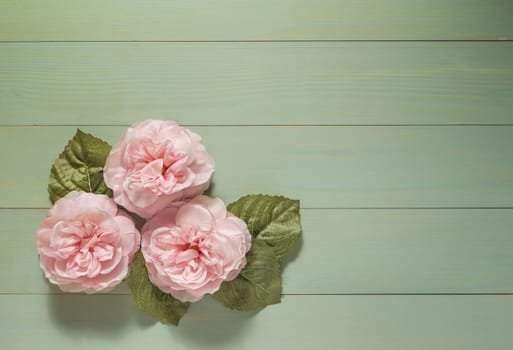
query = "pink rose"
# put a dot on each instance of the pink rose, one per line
(190, 250)
(85, 244)
(155, 163)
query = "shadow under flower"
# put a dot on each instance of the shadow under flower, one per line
(82, 314)
(209, 323)
(109, 316)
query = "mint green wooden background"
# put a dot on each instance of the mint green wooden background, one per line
(392, 121)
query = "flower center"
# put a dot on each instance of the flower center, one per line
(192, 246)
(87, 243)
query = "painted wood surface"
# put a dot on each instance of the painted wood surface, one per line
(257, 83)
(325, 167)
(255, 20)
(341, 252)
(299, 322)
(391, 121)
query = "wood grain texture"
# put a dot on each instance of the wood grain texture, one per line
(256, 83)
(342, 251)
(398, 143)
(300, 322)
(255, 20)
(325, 167)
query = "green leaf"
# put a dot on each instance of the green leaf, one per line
(149, 298)
(79, 167)
(257, 285)
(272, 219)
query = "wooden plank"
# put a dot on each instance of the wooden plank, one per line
(342, 252)
(263, 20)
(325, 167)
(300, 322)
(256, 83)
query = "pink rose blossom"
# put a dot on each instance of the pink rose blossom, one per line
(85, 244)
(191, 250)
(155, 163)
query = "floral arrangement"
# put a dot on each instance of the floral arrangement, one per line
(138, 211)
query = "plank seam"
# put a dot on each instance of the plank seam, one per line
(335, 208)
(260, 41)
(308, 294)
(272, 125)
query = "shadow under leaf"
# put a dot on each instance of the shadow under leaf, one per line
(293, 253)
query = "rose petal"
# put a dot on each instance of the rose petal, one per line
(195, 215)
(156, 163)
(190, 251)
(86, 248)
